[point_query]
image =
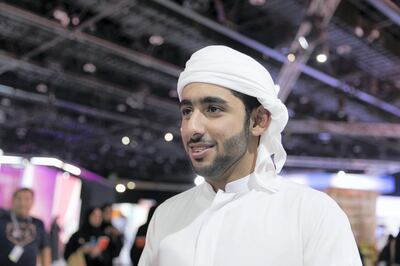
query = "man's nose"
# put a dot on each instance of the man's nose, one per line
(195, 124)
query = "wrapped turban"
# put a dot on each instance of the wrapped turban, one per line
(226, 67)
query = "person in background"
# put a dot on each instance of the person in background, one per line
(115, 235)
(23, 239)
(89, 244)
(54, 239)
(245, 213)
(140, 238)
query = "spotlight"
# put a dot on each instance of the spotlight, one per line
(41, 87)
(156, 40)
(257, 2)
(359, 31)
(131, 185)
(89, 68)
(120, 188)
(303, 42)
(168, 137)
(125, 140)
(322, 58)
(291, 57)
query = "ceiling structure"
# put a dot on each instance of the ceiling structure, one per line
(77, 76)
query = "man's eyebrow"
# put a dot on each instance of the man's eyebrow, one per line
(205, 100)
(185, 102)
(210, 99)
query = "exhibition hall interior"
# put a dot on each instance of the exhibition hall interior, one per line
(89, 111)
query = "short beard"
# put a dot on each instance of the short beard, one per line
(235, 148)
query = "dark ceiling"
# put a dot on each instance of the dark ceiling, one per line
(77, 76)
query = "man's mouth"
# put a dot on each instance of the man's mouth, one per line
(199, 150)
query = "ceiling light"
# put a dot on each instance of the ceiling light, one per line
(343, 49)
(198, 180)
(373, 35)
(257, 2)
(89, 68)
(291, 57)
(41, 87)
(359, 31)
(303, 42)
(125, 140)
(120, 188)
(321, 58)
(75, 20)
(61, 16)
(156, 40)
(324, 136)
(131, 185)
(121, 107)
(168, 137)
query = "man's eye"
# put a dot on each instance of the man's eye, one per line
(185, 111)
(213, 109)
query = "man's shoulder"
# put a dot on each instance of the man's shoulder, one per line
(37, 221)
(301, 189)
(182, 197)
(318, 202)
(179, 201)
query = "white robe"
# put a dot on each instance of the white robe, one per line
(246, 225)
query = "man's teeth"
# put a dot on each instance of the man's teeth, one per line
(199, 149)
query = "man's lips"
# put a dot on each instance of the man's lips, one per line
(199, 150)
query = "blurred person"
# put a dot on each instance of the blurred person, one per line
(23, 239)
(115, 235)
(140, 238)
(245, 213)
(55, 239)
(90, 245)
(386, 256)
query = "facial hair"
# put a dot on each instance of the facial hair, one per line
(234, 149)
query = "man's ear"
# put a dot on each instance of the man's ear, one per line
(261, 118)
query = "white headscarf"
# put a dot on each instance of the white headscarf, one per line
(226, 67)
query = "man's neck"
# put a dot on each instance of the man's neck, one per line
(20, 215)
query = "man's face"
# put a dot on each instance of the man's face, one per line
(22, 203)
(213, 129)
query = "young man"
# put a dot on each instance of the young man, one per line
(244, 214)
(23, 239)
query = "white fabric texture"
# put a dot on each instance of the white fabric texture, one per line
(226, 67)
(294, 226)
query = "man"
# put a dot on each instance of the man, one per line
(244, 214)
(23, 238)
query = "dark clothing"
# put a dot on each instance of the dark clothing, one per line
(391, 252)
(89, 235)
(117, 241)
(54, 240)
(138, 244)
(32, 238)
(81, 238)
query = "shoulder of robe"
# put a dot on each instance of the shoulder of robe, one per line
(315, 201)
(179, 200)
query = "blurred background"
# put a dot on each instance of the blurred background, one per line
(89, 114)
